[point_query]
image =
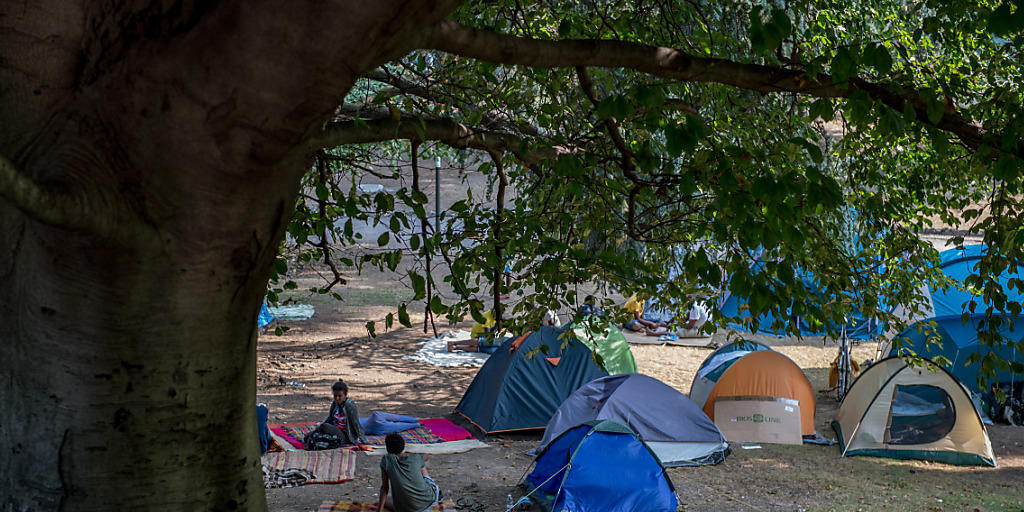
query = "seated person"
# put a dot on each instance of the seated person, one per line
(551, 318)
(696, 318)
(343, 418)
(478, 337)
(405, 474)
(639, 323)
(589, 307)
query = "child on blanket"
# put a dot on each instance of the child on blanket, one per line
(405, 474)
(343, 418)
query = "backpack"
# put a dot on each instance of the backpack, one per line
(319, 441)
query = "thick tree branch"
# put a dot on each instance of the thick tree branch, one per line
(449, 36)
(449, 132)
(61, 209)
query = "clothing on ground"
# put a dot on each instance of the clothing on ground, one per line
(410, 490)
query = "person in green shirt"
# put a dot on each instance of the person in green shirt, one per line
(405, 474)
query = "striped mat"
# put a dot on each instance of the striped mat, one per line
(329, 466)
(356, 506)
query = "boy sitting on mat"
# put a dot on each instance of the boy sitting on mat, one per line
(412, 489)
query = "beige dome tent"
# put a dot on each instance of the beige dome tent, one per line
(894, 410)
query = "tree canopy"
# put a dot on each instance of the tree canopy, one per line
(664, 147)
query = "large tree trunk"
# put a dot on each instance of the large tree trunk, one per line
(161, 142)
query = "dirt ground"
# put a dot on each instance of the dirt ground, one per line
(334, 344)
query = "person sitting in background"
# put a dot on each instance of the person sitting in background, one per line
(589, 307)
(697, 317)
(478, 337)
(551, 318)
(343, 418)
(405, 475)
(638, 323)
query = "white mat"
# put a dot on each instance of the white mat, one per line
(292, 312)
(435, 351)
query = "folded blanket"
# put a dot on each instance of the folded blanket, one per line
(289, 477)
(326, 466)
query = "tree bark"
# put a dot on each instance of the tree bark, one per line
(164, 136)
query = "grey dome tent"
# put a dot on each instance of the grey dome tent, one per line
(675, 429)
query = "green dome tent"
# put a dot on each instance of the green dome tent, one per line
(607, 341)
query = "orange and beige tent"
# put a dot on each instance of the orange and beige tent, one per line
(746, 368)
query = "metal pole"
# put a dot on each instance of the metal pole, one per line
(437, 194)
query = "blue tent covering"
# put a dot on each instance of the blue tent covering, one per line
(265, 317)
(511, 392)
(600, 466)
(733, 305)
(959, 340)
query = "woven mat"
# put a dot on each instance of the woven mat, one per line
(329, 466)
(356, 506)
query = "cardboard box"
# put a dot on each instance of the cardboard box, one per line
(758, 419)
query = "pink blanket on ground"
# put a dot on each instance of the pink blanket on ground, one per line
(446, 430)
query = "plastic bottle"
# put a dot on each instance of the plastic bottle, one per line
(508, 502)
(297, 384)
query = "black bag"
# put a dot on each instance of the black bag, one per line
(1011, 411)
(316, 440)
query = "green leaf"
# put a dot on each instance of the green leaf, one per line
(436, 306)
(403, 316)
(389, 321)
(383, 239)
(418, 285)
(812, 149)
(564, 27)
(1000, 21)
(371, 329)
(824, 109)
(935, 109)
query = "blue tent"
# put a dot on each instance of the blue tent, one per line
(600, 466)
(512, 392)
(958, 340)
(733, 305)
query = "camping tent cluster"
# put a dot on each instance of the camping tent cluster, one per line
(611, 429)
